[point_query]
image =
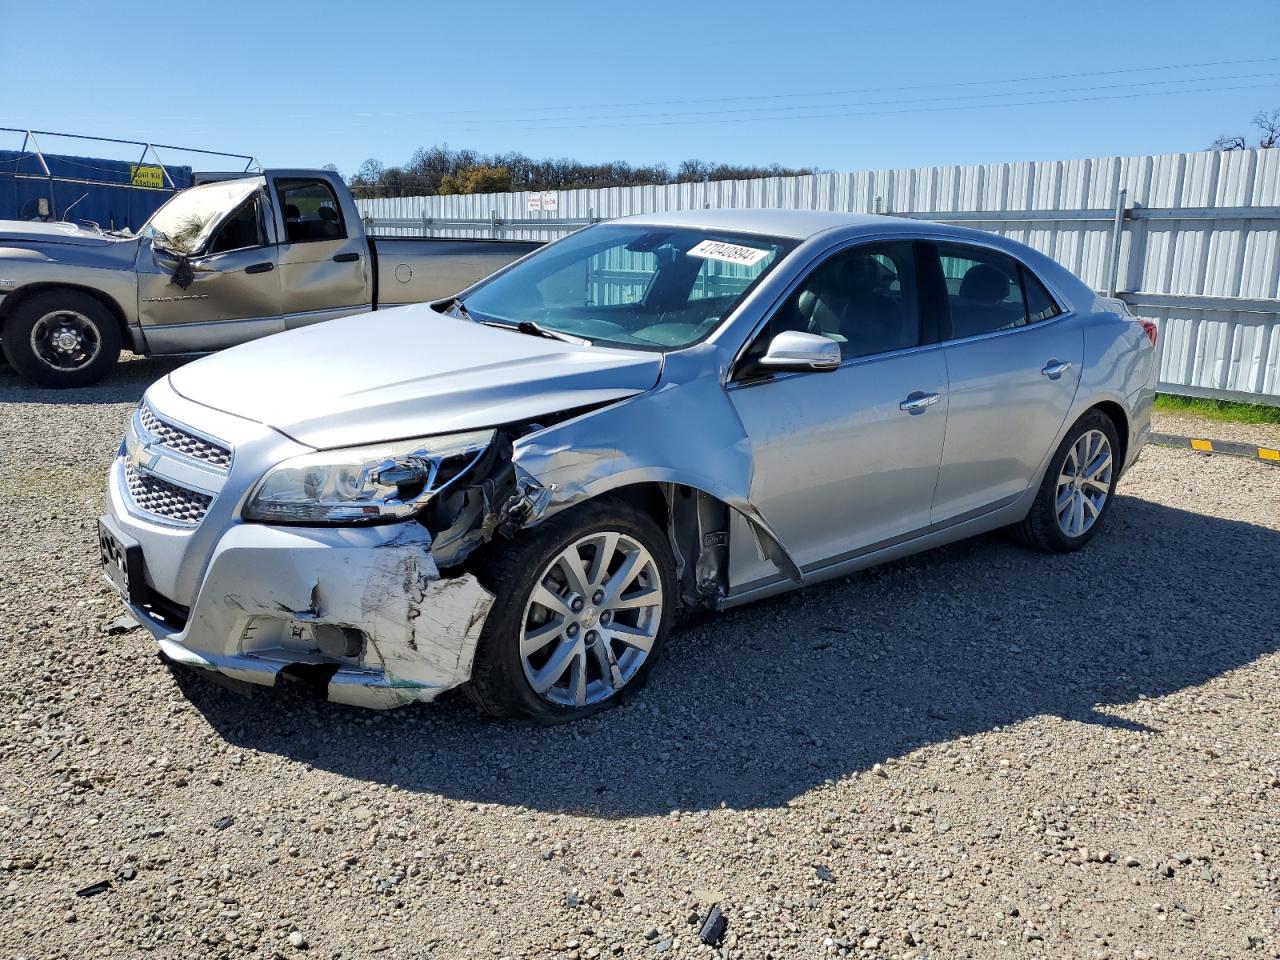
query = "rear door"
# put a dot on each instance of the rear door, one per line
(324, 265)
(1013, 364)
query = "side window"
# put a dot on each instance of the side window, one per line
(617, 275)
(1040, 305)
(311, 211)
(983, 289)
(242, 230)
(715, 278)
(864, 298)
(612, 277)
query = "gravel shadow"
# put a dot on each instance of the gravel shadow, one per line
(759, 705)
(126, 383)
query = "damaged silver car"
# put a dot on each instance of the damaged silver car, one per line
(519, 489)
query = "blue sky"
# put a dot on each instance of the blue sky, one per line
(842, 86)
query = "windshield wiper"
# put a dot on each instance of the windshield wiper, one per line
(538, 330)
(524, 326)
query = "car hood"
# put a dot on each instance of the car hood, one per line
(407, 372)
(24, 231)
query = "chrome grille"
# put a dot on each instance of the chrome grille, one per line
(180, 441)
(164, 499)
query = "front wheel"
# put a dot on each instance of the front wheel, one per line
(62, 338)
(1077, 489)
(584, 604)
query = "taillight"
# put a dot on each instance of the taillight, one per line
(1150, 329)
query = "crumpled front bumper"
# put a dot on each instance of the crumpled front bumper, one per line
(269, 592)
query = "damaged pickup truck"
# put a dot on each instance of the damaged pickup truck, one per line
(222, 263)
(518, 489)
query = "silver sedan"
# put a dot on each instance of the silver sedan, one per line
(518, 490)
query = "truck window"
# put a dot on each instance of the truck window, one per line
(311, 211)
(186, 221)
(243, 229)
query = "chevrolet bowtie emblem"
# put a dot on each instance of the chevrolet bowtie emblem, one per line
(141, 455)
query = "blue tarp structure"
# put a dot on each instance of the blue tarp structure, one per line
(116, 194)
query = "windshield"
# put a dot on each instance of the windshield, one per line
(185, 223)
(651, 287)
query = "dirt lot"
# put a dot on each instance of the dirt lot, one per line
(979, 752)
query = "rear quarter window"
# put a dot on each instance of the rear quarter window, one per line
(1040, 306)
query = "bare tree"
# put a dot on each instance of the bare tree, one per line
(1229, 143)
(1267, 121)
(365, 181)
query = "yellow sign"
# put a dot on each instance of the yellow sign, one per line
(146, 176)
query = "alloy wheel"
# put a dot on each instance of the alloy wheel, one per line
(591, 620)
(1084, 483)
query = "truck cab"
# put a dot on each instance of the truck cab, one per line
(229, 260)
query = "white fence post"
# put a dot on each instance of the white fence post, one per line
(1117, 235)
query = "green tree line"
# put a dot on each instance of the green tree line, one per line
(440, 170)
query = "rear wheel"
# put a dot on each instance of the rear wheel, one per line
(1077, 489)
(62, 338)
(584, 604)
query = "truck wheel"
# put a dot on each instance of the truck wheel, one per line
(584, 604)
(62, 338)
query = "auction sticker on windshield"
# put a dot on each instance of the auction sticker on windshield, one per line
(728, 252)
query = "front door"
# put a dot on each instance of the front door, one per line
(846, 461)
(1013, 362)
(227, 292)
(324, 268)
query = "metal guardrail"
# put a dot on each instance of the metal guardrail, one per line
(495, 224)
(1118, 216)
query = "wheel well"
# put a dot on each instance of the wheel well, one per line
(20, 296)
(698, 525)
(1121, 421)
(647, 498)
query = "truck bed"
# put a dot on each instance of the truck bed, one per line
(418, 269)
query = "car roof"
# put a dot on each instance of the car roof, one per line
(804, 225)
(794, 224)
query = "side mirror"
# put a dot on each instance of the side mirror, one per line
(795, 350)
(162, 255)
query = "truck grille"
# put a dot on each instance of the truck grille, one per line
(179, 441)
(164, 499)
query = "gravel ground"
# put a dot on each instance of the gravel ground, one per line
(978, 752)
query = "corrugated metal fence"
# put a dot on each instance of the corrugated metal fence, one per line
(1189, 240)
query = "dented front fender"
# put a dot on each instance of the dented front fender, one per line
(685, 432)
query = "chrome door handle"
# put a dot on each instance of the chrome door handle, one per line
(919, 402)
(1056, 368)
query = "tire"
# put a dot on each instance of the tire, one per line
(501, 684)
(84, 317)
(1047, 528)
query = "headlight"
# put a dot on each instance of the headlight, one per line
(386, 481)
